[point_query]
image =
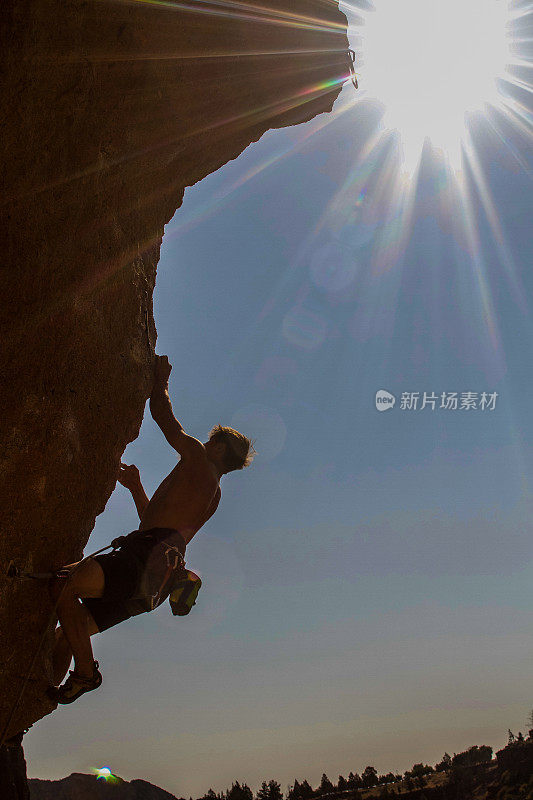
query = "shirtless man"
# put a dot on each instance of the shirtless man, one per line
(100, 592)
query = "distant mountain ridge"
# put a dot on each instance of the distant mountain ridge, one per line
(79, 786)
(507, 777)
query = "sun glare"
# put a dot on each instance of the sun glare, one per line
(104, 774)
(430, 62)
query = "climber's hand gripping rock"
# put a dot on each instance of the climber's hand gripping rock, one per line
(129, 476)
(162, 370)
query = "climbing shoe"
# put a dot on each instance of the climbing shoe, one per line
(76, 685)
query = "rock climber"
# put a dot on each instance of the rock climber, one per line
(98, 593)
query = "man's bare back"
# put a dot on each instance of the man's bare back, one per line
(186, 498)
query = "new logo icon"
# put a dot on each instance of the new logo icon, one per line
(384, 400)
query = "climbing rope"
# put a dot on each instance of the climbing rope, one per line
(14, 572)
(351, 62)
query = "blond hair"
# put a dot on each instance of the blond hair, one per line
(239, 449)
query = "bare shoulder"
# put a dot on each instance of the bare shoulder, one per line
(191, 447)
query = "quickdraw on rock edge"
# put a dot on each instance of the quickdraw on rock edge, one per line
(351, 62)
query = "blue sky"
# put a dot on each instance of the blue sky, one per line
(367, 582)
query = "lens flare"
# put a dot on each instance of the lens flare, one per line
(430, 63)
(333, 267)
(105, 774)
(304, 328)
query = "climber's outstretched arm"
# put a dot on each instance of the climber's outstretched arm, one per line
(130, 478)
(161, 410)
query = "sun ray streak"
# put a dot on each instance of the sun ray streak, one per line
(506, 258)
(243, 119)
(489, 316)
(244, 11)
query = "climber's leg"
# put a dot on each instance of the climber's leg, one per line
(87, 580)
(61, 657)
(62, 654)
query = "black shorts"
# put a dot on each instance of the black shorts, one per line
(122, 570)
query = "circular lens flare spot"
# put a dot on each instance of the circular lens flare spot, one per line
(304, 328)
(333, 267)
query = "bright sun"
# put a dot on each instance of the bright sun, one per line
(431, 61)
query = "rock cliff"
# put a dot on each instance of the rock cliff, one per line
(111, 109)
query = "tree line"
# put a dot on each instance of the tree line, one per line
(414, 778)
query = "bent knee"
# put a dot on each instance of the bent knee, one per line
(84, 579)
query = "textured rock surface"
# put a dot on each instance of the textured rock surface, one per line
(13, 783)
(87, 787)
(110, 110)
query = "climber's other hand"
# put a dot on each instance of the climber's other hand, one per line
(129, 476)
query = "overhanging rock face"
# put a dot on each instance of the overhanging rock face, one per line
(111, 109)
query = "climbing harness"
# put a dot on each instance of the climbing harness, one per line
(15, 572)
(351, 62)
(175, 562)
(158, 562)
